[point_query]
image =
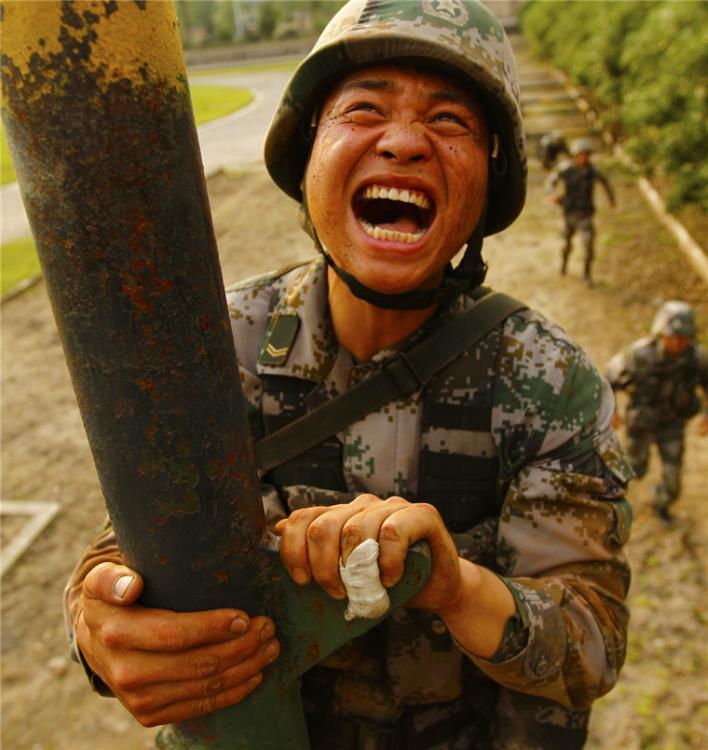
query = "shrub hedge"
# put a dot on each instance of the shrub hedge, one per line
(646, 66)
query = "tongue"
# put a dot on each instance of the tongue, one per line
(403, 224)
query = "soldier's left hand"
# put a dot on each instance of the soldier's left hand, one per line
(313, 539)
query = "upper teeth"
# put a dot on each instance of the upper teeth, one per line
(394, 194)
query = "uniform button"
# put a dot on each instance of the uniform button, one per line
(541, 666)
(438, 627)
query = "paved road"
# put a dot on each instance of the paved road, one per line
(230, 142)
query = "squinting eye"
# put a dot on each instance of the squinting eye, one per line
(449, 117)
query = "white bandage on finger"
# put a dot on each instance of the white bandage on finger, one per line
(362, 580)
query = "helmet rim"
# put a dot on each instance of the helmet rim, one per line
(288, 143)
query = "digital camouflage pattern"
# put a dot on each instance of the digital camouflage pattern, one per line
(663, 395)
(556, 539)
(462, 37)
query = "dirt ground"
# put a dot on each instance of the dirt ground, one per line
(660, 701)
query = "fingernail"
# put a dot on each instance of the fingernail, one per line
(300, 576)
(122, 585)
(271, 651)
(267, 632)
(239, 625)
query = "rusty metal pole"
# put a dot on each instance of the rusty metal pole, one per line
(98, 117)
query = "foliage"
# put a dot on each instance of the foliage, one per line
(213, 22)
(645, 64)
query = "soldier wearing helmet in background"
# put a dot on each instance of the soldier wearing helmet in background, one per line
(661, 374)
(551, 146)
(400, 135)
(571, 186)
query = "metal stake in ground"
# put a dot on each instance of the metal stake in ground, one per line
(98, 117)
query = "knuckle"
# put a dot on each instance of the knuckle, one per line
(208, 705)
(170, 635)
(111, 635)
(123, 680)
(214, 687)
(207, 665)
(389, 533)
(318, 531)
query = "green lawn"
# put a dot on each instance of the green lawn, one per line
(287, 65)
(18, 259)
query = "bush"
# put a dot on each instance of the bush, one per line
(644, 64)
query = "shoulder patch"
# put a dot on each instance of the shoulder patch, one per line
(279, 338)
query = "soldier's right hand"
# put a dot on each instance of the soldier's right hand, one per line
(167, 666)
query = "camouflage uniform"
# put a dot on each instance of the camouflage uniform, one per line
(577, 184)
(662, 397)
(555, 531)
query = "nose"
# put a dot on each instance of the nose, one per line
(404, 142)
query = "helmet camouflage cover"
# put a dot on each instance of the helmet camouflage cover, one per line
(459, 37)
(581, 146)
(674, 318)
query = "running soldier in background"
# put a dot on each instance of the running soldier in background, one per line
(661, 373)
(572, 186)
(551, 146)
(400, 135)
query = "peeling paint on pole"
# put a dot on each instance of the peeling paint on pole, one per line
(99, 122)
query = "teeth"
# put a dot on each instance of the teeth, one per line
(372, 192)
(390, 235)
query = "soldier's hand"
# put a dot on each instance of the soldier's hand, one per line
(166, 666)
(313, 539)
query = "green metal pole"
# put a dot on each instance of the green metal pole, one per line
(99, 122)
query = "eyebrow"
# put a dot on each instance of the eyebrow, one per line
(382, 84)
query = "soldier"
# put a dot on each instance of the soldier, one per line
(551, 146)
(661, 374)
(401, 137)
(576, 182)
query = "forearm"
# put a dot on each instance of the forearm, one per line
(476, 620)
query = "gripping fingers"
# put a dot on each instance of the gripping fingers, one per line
(177, 701)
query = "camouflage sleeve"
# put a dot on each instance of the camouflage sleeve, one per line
(564, 519)
(702, 357)
(619, 371)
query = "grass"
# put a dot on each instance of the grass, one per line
(211, 102)
(18, 259)
(7, 171)
(286, 65)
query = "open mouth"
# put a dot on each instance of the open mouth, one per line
(393, 215)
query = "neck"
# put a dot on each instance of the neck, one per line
(364, 329)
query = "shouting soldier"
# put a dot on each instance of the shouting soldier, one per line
(401, 137)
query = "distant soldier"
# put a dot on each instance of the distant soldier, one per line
(550, 147)
(571, 186)
(661, 374)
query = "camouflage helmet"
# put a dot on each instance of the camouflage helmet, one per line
(459, 37)
(674, 318)
(581, 146)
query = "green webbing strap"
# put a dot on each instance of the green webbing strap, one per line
(403, 375)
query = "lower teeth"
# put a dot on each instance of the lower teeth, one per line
(390, 235)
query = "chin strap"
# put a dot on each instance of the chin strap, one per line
(468, 275)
